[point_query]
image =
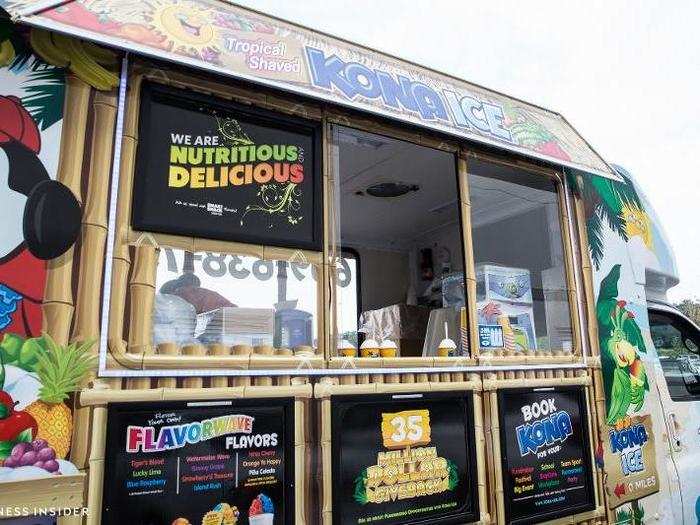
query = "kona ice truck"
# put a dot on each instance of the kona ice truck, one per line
(254, 274)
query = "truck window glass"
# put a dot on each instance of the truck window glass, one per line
(397, 206)
(211, 298)
(522, 288)
(676, 342)
(347, 282)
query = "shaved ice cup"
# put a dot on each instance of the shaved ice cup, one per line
(261, 519)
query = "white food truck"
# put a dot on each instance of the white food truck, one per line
(251, 273)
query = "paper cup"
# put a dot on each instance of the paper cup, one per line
(261, 519)
(387, 352)
(369, 352)
(446, 352)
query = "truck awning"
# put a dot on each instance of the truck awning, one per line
(217, 36)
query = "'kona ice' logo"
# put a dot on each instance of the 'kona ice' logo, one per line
(554, 427)
(353, 79)
(398, 92)
(628, 443)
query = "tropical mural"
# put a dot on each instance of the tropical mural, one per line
(615, 204)
(621, 344)
(31, 109)
(621, 235)
(37, 374)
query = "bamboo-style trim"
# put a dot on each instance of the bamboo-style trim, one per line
(587, 273)
(498, 384)
(472, 340)
(326, 388)
(557, 356)
(496, 455)
(481, 467)
(228, 90)
(327, 281)
(58, 303)
(93, 239)
(94, 223)
(506, 160)
(570, 268)
(339, 116)
(105, 396)
(121, 259)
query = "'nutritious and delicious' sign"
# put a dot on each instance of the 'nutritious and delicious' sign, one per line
(545, 451)
(208, 168)
(209, 463)
(405, 459)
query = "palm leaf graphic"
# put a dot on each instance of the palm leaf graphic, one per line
(45, 84)
(44, 99)
(603, 201)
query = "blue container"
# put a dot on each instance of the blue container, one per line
(293, 328)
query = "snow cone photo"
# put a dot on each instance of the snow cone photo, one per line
(262, 511)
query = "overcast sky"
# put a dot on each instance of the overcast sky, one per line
(625, 74)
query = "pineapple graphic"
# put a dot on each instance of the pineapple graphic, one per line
(61, 370)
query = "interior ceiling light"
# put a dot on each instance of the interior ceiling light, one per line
(387, 190)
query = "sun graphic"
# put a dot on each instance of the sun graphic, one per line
(186, 25)
(637, 222)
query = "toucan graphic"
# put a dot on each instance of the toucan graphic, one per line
(40, 219)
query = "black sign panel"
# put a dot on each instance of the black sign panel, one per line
(407, 459)
(546, 459)
(207, 462)
(209, 168)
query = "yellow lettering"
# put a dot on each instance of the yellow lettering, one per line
(197, 178)
(178, 177)
(178, 155)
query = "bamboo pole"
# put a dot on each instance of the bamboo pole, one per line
(193, 349)
(142, 289)
(496, 447)
(219, 349)
(242, 350)
(121, 258)
(94, 224)
(284, 380)
(92, 247)
(263, 350)
(168, 349)
(58, 301)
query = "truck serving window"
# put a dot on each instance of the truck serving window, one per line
(677, 344)
(208, 298)
(396, 205)
(522, 288)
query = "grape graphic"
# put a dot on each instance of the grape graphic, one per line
(38, 453)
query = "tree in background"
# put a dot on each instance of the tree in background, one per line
(691, 308)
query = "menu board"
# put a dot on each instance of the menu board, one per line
(207, 167)
(200, 463)
(545, 451)
(403, 458)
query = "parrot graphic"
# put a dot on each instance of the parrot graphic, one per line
(621, 343)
